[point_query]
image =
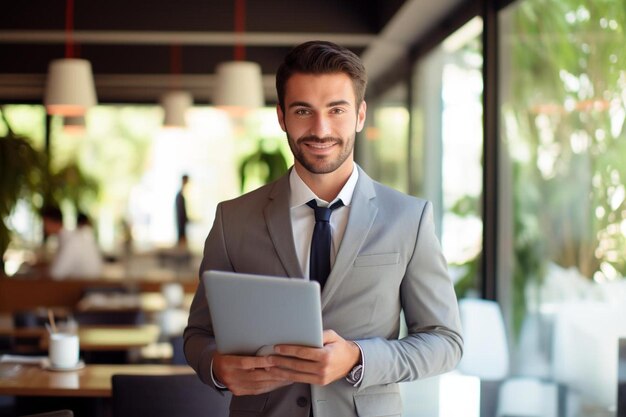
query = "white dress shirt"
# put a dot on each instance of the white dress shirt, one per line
(303, 217)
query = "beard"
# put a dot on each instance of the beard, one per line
(321, 164)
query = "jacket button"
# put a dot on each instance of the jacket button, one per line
(302, 402)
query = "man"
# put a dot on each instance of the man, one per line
(181, 211)
(77, 255)
(384, 254)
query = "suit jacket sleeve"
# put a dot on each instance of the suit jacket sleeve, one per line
(433, 344)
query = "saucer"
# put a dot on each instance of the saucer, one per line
(49, 367)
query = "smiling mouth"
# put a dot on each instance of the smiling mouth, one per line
(320, 145)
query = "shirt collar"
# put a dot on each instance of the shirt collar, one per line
(301, 193)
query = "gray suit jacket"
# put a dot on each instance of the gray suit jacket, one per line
(389, 261)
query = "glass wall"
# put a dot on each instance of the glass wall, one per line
(446, 152)
(563, 210)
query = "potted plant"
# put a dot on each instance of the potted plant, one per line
(20, 177)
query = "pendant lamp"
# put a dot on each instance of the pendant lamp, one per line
(176, 101)
(70, 90)
(239, 83)
(175, 104)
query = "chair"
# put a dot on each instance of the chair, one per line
(122, 317)
(59, 413)
(528, 397)
(486, 355)
(485, 352)
(26, 345)
(166, 396)
(178, 353)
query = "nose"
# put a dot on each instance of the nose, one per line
(321, 126)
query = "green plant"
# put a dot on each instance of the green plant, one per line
(565, 130)
(20, 178)
(267, 164)
(71, 185)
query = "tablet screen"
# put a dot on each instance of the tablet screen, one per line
(251, 313)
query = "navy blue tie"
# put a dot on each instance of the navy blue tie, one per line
(321, 242)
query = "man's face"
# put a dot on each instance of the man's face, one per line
(321, 120)
(51, 226)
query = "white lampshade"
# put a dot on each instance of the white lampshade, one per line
(70, 89)
(238, 84)
(175, 104)
(74, 125)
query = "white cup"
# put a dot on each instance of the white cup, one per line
(63, 351)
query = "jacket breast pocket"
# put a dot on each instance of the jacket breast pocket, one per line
(379, 259)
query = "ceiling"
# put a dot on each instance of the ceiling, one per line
(132, 44)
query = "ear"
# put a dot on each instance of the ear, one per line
(360, 121)
(281, 117)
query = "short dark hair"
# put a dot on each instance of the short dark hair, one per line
(82, 219)
(321, 57)
(52, 213)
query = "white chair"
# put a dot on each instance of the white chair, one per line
(486, 355)
(527, 397)
(585, 351)
(485, 349)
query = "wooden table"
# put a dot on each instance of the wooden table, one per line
(91, 381)
(148, 302)
(102, 338)
(96, 337)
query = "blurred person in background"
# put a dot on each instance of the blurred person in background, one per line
(181, 212)
(77, 255)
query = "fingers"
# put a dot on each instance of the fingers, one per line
(246, 375)
(251, 362)
(301, 352)
(243, 362)
(308, 353)
(319, 366)
(330, 336)
(299, 365)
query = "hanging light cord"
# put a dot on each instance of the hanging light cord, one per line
(69, 28)
(240, 23)
(175, 65)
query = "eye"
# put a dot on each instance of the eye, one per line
(302, 112)
(337, 110)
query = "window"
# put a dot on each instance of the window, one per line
(447, 147)
(563, 176)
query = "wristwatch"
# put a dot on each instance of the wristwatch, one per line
(355, 375)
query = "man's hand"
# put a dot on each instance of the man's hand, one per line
(319, 366)
(246, 375)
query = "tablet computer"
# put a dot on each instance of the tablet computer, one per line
(252, 313)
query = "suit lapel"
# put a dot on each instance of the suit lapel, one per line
(278, 220)
(363, 211)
